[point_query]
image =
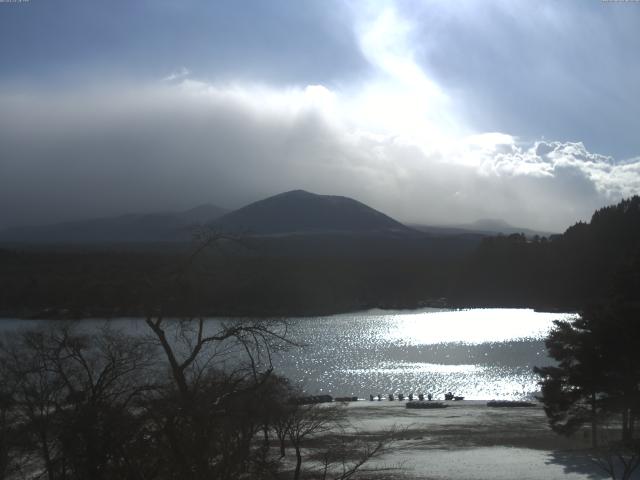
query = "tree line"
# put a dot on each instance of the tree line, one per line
(563, 272)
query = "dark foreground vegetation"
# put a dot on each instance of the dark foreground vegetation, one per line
(596, 378)
(319, 274)
(183, 401)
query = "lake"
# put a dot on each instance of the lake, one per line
(476, 353)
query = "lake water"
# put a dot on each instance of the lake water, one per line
(476, 353)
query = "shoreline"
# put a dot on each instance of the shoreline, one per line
(106, 314)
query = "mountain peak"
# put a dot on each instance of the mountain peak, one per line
(492, 224)
(297, 192)
(299, 211)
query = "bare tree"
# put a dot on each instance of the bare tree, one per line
(305, 421)
(73, 396)
(618, 458)
(340, 452)
(37, 394)
(211, 413)
(10, 441)
(347, 457)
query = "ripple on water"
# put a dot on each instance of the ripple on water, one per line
(480, 353)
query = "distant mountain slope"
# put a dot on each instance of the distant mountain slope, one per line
(500, 226)
(151, 227)
(299, 211)
(484, 227)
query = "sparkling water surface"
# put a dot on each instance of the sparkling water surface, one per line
(475, 353)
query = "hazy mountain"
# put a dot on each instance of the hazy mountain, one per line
(483, 227)
(300, 212)
(150, 227)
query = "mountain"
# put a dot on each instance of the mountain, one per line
(490, 225)
(493, 226)
(301, 212)
(150, 227)
(482, 227)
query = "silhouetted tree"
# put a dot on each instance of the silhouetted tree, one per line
(208, 415)
(597, 378)
(305, 421)
(570, 390)
(73, 395)
(8, 442)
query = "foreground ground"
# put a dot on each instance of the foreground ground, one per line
(468, 440)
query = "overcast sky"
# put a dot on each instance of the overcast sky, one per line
(431, 111)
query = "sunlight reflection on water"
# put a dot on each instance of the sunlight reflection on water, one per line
(468, 326)
(477, 353)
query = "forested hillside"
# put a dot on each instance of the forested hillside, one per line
(582, 265)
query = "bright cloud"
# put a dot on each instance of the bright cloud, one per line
(400, 99)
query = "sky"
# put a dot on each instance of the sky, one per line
(434, 112)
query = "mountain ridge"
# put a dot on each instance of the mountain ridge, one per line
(128, 227)
(482, 227)
(302, 212)
(296, 212)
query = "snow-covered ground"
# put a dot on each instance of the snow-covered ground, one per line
(468, 440)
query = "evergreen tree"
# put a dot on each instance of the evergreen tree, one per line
(570, 390)
(598, 370)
